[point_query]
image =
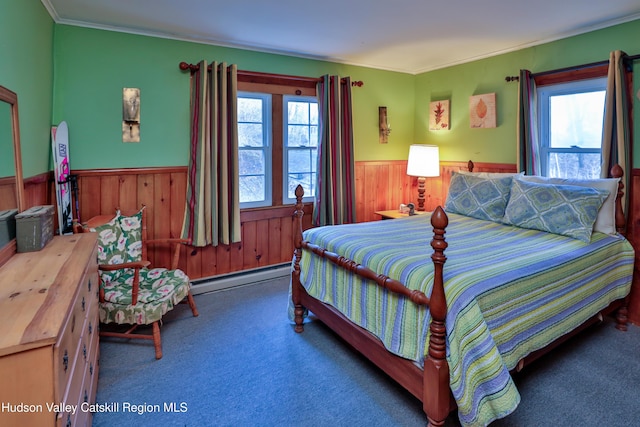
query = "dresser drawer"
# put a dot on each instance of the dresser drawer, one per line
(66, 350)
(81, 322)
(83, 382)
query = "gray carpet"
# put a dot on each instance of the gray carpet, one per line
(240, 364)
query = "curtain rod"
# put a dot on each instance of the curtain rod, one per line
(629, 58)
(257, 76)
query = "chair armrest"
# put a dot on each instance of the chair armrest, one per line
(134, 265)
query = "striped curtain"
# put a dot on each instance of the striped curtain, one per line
(212, 212)
(616, 143)
(335, 180)
(528, 149)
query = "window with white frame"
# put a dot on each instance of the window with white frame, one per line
(300, 146)
(254, 149)
(571, 116)
(277, 144)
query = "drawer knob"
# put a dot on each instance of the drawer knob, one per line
(83, 303)
(89, 285)
(65, 360)
(84, 351)
(68, 420)
(90, 328)
(91, 368)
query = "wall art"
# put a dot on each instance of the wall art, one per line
(439, 115)
(482, 111)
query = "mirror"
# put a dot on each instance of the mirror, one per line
(11, 184)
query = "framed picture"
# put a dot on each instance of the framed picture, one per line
(482, 110)
(439, 115)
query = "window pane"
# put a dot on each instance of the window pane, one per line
(574, 165)
(576, 120)
(252, 189)
(249, 110)
(301, 161)
(298, 136)
(250, 135)
(307, 180)
(298, 113)
(251, 162)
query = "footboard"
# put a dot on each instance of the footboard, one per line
(430, 385)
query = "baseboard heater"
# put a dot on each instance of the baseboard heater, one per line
(241, 278)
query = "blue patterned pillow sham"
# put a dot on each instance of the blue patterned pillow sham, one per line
(568, 210)
(478, 197)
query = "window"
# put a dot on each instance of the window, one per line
(277, 139)
(254, 146)
(571, 116)
(300, 146)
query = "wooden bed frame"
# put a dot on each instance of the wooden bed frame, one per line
(430, 385)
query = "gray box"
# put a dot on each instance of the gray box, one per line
(7, 226)
(34, 228)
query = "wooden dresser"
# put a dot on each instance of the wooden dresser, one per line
(49, 334)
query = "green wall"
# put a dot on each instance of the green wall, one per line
(460, 82)
(76, 74)
(92, 66)
(26, 68)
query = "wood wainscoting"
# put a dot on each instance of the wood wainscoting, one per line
(266, 233)
(633, 228)
(384, 185)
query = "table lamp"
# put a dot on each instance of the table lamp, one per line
(424, 161)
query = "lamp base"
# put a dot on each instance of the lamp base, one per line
(421, 181)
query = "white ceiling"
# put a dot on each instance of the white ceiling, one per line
(411, 36)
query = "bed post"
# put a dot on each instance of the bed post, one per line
(436, 391)
(298, 310)
(617, 172)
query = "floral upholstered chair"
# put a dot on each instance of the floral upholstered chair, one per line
(132, 293)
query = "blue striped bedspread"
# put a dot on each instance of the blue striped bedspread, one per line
(509, 291)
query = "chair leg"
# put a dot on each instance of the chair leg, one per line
(157, 343)
(192, 304)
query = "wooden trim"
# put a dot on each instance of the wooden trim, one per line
(277, 149)
(482, 166)
(589, 71)
(8, 180)
(130, 171)
(44, 177)
(276, 79)
(271, 212)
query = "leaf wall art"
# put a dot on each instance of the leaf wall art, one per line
(439, 115)
(482, 110)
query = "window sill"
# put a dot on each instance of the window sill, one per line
(268, 212)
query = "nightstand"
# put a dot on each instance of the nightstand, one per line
(394, 213)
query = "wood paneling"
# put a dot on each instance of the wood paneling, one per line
(633, 228)
(385, 185)
(267, 232)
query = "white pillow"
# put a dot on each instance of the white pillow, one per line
(606, 220)
(492, 175)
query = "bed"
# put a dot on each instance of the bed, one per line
(452, 335)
